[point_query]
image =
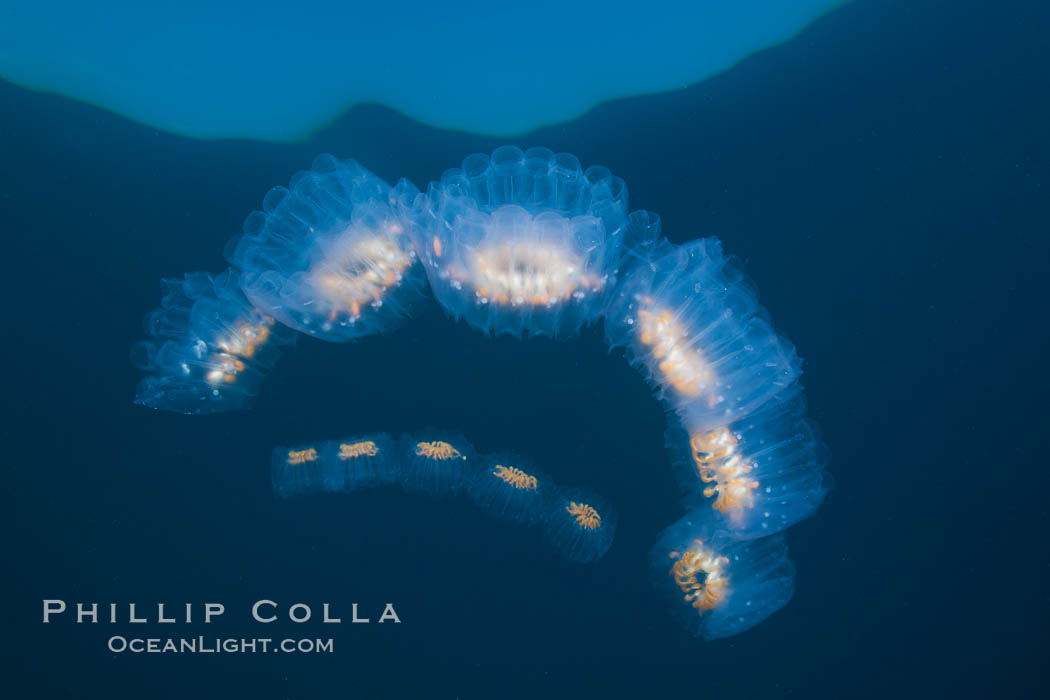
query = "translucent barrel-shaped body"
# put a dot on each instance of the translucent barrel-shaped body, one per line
(329, 255)
(756, 476)
(208, 349)
(716, 586)
(580, 525)
(691, 321)
(521, 242)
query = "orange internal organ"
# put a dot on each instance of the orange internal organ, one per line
(224, 366)
(528, 273)
(224, 369)
(586, 516)
(245, 338)
(353, 450)
(718, 462)
(515, 477)
(704, 593)
(682, 366)
(358, 271)
(302, 456)
(438, 450)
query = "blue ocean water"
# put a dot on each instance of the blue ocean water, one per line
(883, 178)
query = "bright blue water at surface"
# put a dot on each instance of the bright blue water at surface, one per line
(279, 71)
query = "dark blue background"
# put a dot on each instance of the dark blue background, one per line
(884, 179)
